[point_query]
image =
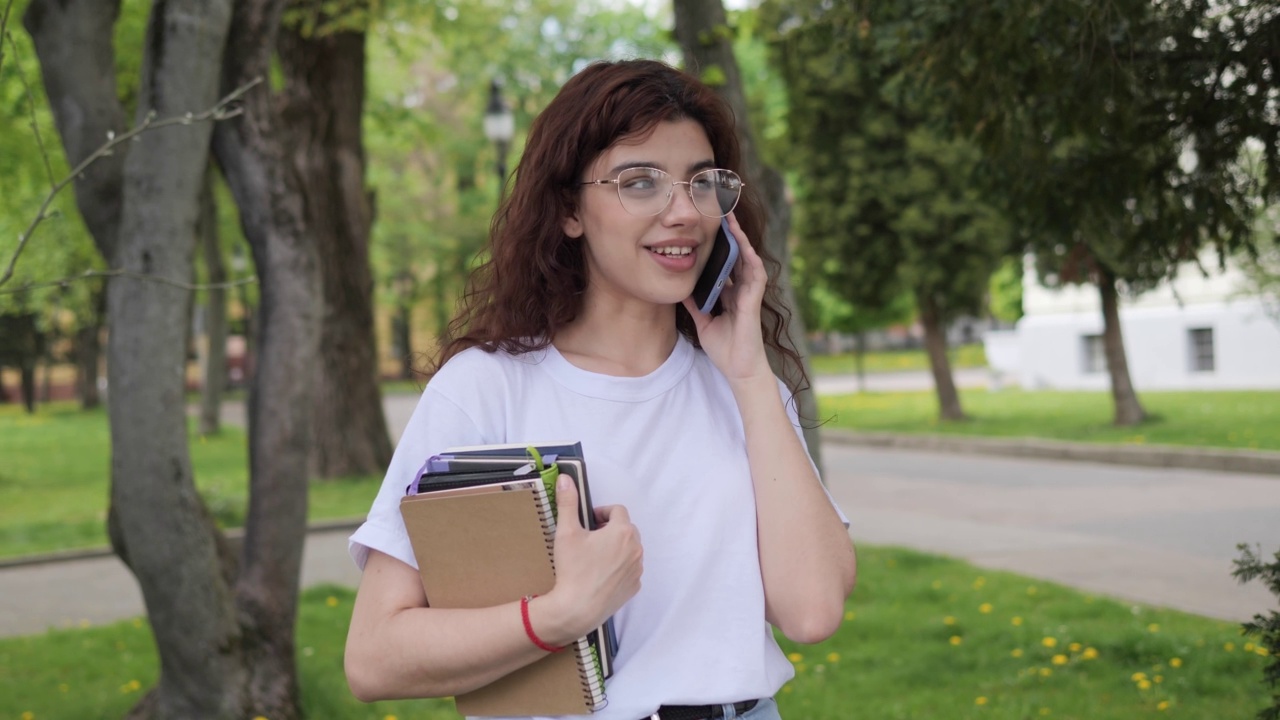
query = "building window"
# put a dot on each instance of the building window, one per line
(1201, 340)
(1095, 356)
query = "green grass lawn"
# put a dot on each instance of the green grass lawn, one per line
(1248, 420)
(963, 356)
(53, 480)
(924, 637)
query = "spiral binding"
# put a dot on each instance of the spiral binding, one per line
(591, 674)
(590, 670)
(547, 517)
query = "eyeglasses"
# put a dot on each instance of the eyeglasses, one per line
(647, 191)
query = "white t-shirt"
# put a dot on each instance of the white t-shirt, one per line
(670, 448)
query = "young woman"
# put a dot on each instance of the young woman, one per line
(580, 328)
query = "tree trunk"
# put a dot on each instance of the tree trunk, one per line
(1128, 411)
(27, 372)
(281, 392)
(163, 530)
(860, 359)
(213, 371)
(322, 107)
(935, 343)
(88, 350)
(46, 385)
(402, 336)
(697, 24)
(77, 63)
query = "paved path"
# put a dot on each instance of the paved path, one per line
(1158, 536)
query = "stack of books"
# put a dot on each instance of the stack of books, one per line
(482, 523)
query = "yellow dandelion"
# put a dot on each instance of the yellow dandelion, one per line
(786, 689)
(848, 615)
(1157, 679)
(1017, 652)
(833, 657)
(795, 657)
(1046, 711)
(259, 717)
(1049, 642)
(936, 585)
(1074, 647)
(331, 601)
(389, 717)
(1153, 627)
(1017, 621)
(1032, 590)
(1046, 672)
(1162, 705)
(1144, 684)
(1175, 662)
(1089, 654)
(949, 620)
(984, 608)
(1229, 647)
(28, 715)
(980, 700)
(1248, 647)
(956, 639)
(1138, 677)
(137, 622)
(1059, 659)
(1262, 651)
(977, 584)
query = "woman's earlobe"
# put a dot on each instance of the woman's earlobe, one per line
(572, 227)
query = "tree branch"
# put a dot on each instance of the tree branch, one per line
(4, 27)
(220, 111)
(31, 107)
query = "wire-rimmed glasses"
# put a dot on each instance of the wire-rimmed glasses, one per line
(646, 191)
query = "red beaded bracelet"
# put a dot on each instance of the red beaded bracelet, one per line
(528, 626)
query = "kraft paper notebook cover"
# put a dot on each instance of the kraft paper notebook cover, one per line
(463, 462)
(491, 547)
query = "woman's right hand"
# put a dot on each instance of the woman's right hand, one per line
(596, 571)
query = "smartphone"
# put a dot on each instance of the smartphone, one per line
(724, 255)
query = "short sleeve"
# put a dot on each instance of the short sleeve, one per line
(437, 423)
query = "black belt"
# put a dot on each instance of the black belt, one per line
(698, 712)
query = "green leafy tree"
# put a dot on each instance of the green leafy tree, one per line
(1005, 291)
(888, 198)
(1115, 130)
(1253, 565)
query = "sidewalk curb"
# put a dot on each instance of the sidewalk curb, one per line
(235, 535)
(1168, 456)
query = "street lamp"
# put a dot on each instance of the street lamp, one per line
(499, 127)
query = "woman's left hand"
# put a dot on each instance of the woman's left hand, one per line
(733, 339)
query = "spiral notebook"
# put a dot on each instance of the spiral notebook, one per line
(484, 541)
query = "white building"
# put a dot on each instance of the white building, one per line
(1195, 333)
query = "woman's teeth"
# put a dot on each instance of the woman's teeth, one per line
(672, 251)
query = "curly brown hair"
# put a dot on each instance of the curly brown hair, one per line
(531, 284)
